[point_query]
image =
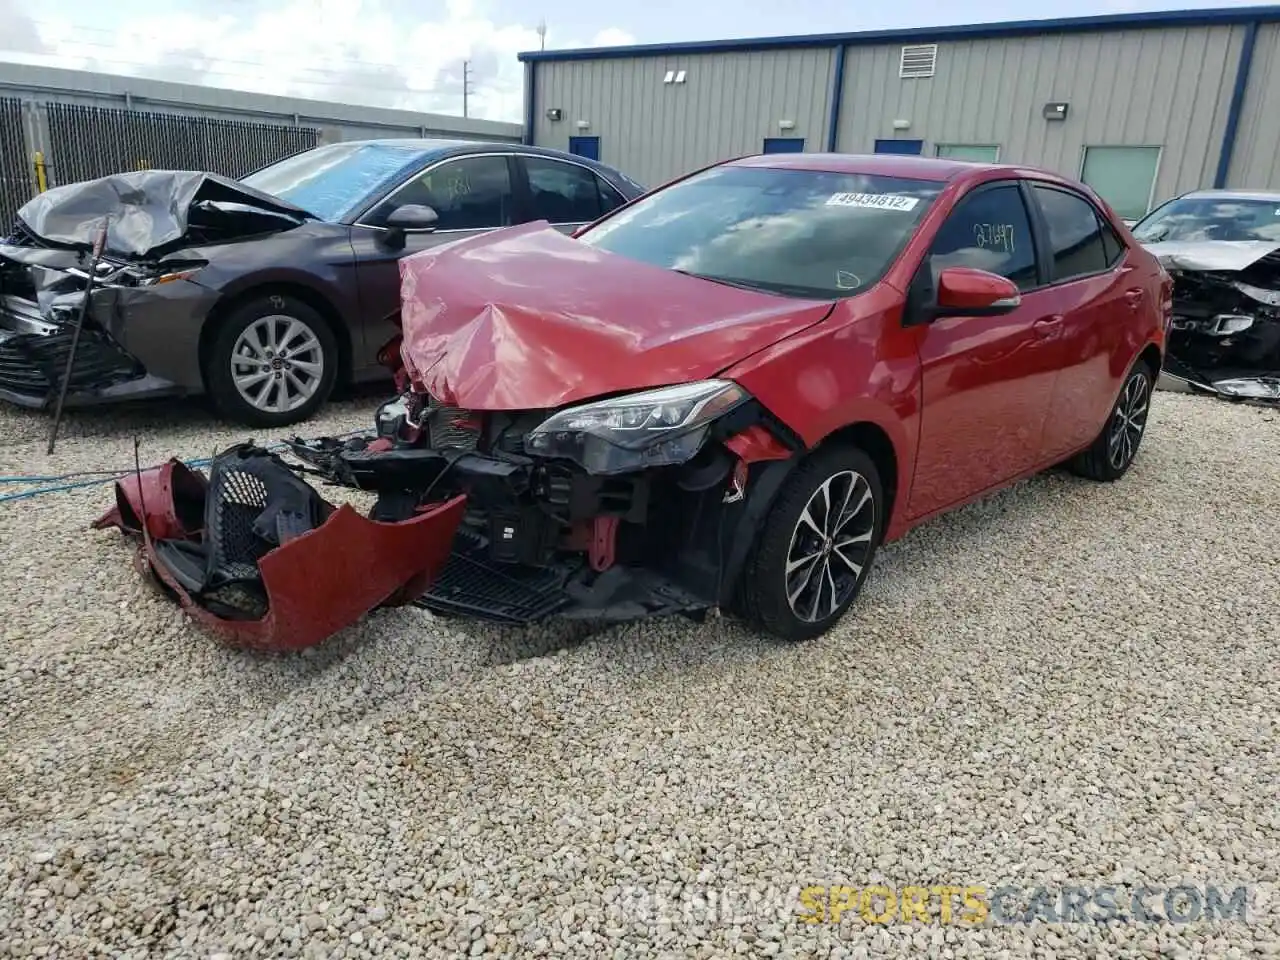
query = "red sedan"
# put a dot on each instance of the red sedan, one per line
(729, 392)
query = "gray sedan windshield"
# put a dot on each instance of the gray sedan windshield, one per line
(339, 180)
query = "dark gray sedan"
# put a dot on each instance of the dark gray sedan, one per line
(261, 293)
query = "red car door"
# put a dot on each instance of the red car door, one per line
(1096, 291)
(986, 381)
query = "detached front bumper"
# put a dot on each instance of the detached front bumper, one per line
(258, 557)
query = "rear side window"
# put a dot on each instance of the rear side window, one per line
(610, 198)
(1079, 240)
(988, 230)
(564, 192)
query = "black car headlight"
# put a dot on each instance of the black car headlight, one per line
(652, 428)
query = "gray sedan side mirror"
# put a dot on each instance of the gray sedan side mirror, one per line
(413, 216)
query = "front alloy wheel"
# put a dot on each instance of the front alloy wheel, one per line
(829, 546)
(815, 548)
(277, 364)
(272, 362)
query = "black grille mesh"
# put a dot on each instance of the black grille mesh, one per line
(240, 499)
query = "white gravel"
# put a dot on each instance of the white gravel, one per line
(1067, 684)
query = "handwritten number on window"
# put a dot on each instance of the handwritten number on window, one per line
(994, 236)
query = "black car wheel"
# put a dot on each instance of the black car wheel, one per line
(816, 546)
(1112, 453)
(273, 362)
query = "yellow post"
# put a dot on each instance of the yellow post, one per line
(42, 181)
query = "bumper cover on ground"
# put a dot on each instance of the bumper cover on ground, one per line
(274, 566)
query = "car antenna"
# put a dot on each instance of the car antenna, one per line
(99, 245)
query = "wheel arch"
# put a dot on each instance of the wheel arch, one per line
(875, 441)
(313, 298)
(868, 436)
(1153, 357)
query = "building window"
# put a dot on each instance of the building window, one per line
(1125, 177)
(978, 152)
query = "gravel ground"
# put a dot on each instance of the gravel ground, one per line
(1067, 684)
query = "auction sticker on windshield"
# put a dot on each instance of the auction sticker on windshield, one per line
(878, 201)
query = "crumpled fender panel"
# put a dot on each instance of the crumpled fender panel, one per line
(316, 583)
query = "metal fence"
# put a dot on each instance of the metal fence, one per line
(88, 142)
(15, 169)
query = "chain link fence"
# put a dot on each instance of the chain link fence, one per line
(88, 142)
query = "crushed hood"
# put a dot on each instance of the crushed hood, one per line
(1211, 255)
(529, 318)
(155, 211)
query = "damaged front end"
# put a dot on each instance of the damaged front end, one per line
(610, 510)
(135, 342)
(1225, 333)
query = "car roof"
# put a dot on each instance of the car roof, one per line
(909, 167)
(1225, 194)
(442, 147)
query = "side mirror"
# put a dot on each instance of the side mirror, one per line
(413, 216)
(966, 292)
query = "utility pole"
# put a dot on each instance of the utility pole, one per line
(466, 84)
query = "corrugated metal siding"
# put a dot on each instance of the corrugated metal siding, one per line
(15, 176)
(1256, 161)
(656, 131)
(1167, 87)
(89, 142)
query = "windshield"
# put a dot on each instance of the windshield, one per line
(800, 233)
(1212, 218)
(338, 181)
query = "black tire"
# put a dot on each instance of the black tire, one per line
(764, 590)
(321, 348)
(1111, 455)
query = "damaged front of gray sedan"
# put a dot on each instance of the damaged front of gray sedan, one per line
(147, 304)
(1222, 249)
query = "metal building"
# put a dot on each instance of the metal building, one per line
(1140, 106)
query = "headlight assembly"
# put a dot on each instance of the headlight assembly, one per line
(653, 428)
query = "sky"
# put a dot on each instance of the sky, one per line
(409, 53)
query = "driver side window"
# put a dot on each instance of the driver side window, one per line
(988, 230)
(471, 193)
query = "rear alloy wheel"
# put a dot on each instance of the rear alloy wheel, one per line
(1113, 452)
(273, 362)
(817, 545)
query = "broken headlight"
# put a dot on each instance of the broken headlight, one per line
(652, 428)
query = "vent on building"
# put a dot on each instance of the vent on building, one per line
(918, 60)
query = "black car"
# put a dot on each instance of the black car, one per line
(263, 292)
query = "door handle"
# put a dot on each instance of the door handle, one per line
(1047, 327)
(1135, 297)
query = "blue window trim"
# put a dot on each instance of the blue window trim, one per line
(837, 92)
(966, 31)
(1237, 105)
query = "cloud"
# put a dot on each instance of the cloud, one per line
(390, 53)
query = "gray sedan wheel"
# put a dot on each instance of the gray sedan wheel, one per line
(273, 362)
